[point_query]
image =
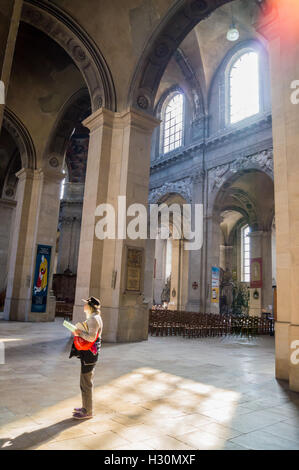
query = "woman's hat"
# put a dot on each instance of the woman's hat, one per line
(92, 301)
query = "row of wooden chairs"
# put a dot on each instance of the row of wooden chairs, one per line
(195, 325)
(64, 309)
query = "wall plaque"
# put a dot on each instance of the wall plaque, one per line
(134, 269)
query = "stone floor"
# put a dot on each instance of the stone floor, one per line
(165, 393)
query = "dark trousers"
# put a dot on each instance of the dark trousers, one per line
(86, 386)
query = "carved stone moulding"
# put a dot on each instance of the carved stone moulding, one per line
(22, 138)
(74, 40)
(54, 162)
(262, 161)
(175, 27)
(181, 187)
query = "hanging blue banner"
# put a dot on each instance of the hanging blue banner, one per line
(41, 279)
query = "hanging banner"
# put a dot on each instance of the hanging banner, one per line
(41, 279)
(256, 274)
(215, 285)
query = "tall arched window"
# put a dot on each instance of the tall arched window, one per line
(245, 254)
(244, 90)
(168, 262)
(62, 185)
(173, 123)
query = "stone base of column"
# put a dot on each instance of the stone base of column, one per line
(121, 324)
(19, 310)
(282, 351)
(294, 368)
(15, 309)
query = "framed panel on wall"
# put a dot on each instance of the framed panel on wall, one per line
(134, 269)
(256, 273)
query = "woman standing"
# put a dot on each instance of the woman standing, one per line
(90, 330)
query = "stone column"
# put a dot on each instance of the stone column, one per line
(70, 227)
(160, 260)
(280, 27)
(193, 301)
(35, 223)
(10, 13)
(7, 209)
(179, 276)
(256, 251)
(267, 294)
(118, 165)
(213, 258)
(149, 272)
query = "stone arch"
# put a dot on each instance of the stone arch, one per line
(21, 136)
(179, 21)
(181, 188)
(223, 175)
(63, 29)
(75, 110)
(11, 180)
(230, 198)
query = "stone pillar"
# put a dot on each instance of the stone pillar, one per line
(195, 280)
(35, 223)
(160, 260)
(118, 165)
(226, 257)
(179, 276)
(149, 272)
(7, 208)
(256, 251)
(10, 14)
(267, 294)
(213, 258)
(193, 301)
(70, 227)
(280, 27)
(260, 247)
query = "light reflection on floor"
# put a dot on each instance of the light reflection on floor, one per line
(166, 393)
(146, 405)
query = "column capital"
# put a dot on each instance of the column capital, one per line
(8, 203)
(256, 233)
(25, 173)
(130, 117)
(99, 118)
(51, 174)
(137, 119)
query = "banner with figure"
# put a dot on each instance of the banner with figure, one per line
(41, 279)
(215, 285)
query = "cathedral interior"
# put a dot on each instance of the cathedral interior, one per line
(161, 102)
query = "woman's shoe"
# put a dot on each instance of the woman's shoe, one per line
(82, 414)
(76, 410)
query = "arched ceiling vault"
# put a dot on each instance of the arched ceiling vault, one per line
(180, 20)
(205, 47)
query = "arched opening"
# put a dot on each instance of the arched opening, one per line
(245, 204)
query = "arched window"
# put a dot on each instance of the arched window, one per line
(245, 254)
(62, 185)
(173, 123)
(168, 262)
(244, 90)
